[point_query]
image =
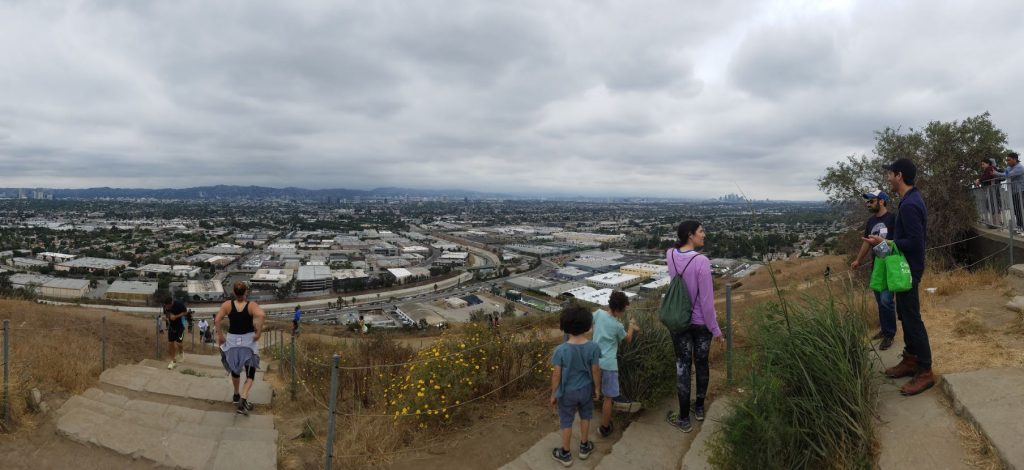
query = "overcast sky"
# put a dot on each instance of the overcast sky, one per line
(672, 98)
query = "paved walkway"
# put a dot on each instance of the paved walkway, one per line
(130, 415)
(992, 400)
(918, 431)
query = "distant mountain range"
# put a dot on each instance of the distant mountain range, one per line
(246, 192)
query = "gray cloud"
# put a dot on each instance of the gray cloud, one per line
(607, 98)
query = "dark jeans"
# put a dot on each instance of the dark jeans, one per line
(915, 336)
(886, 313)
(692, 346)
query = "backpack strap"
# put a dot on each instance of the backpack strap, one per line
(680, 273)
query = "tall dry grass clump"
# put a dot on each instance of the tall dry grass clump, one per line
(58, 351)
(647, 366)
(812, 390)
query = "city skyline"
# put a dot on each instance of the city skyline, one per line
(606, 99)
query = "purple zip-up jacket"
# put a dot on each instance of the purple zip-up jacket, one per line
(698, 281)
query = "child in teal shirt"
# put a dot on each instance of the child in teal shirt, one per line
(608, 332)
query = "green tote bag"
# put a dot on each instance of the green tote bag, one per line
(878, 281)
(897, 271)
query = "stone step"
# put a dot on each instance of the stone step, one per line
(213, 361)
(177, 437)
(538, 457)
(991, 399)
(187, 368)
(697, 457)
(649, 442)
(168, 382)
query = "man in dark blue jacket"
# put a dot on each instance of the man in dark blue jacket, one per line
(911, 228)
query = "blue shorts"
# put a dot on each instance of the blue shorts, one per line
(571, 401)
(609, 383)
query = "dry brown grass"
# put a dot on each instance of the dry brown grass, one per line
(57, 350)
(953, 282)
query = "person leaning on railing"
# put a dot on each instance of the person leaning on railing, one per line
(989, 179)
(1015, 173)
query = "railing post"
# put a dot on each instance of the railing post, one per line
(156, 337)
(293, 368)
(103, 349)
(728, 333)
(7, 379)
(333, 405)
(1013, 218)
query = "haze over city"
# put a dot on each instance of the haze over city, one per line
(669, 99)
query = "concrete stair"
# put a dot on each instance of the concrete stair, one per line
(696, 457)
(169, 435)
(163, 381)
(992, 399)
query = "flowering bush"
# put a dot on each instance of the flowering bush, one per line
(463, 367)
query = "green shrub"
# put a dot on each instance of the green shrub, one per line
(647, 366)
(812, 391)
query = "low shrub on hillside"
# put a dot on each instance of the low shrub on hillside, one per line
(647, 366)
(812, 391)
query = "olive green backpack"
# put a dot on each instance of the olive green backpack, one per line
(676, 307)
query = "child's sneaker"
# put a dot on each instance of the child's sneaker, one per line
(698, 412)
(605, 431)
(681, 423)
(235, 398)
(242, 408)
(171, 365)
(585, 449)
(562, 456)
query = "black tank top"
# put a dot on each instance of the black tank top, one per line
(240, 322)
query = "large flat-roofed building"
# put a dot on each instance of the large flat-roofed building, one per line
(452, 258)
(402, 275)
(645, 270)
(93, 264)
(131, 291)
(154, 270)
(55, 257)
(582, 238)
(655, 285)
(559, 289)
(34, 281)
(225, 249)
(349, 279)
(310, 278)
(30, 263)
(594, 265)
(271, 277)
(527, 283)
(613, 280)
(601, 296)
(571, 273)
(65, 288)
(205, 291)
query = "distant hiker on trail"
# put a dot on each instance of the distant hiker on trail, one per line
(362, 326)
(880, 224)
(240, 349)
(174, 312)
(693, 344)
(575, 381)
(296, 318)
(911, 238)
(1014, 172)
(203, 327)
(608, 331)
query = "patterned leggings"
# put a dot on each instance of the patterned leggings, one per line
(692, 347)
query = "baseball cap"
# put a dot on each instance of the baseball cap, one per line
(876, 194)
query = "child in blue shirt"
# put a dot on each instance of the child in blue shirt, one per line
(608, 332)
(575, 382)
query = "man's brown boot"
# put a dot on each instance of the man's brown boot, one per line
(923, 380)
(906, 367)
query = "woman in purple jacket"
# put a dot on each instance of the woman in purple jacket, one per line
(693, 346)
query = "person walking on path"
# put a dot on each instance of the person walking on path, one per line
(575, 381)
(911, 238)
(240, 349)
(881, 223)
(1014, 172)
(174, 312)
(608, 332)
(296, 318)
(693, 345)
(203, 326)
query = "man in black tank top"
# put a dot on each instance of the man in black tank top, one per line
(239, 350)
